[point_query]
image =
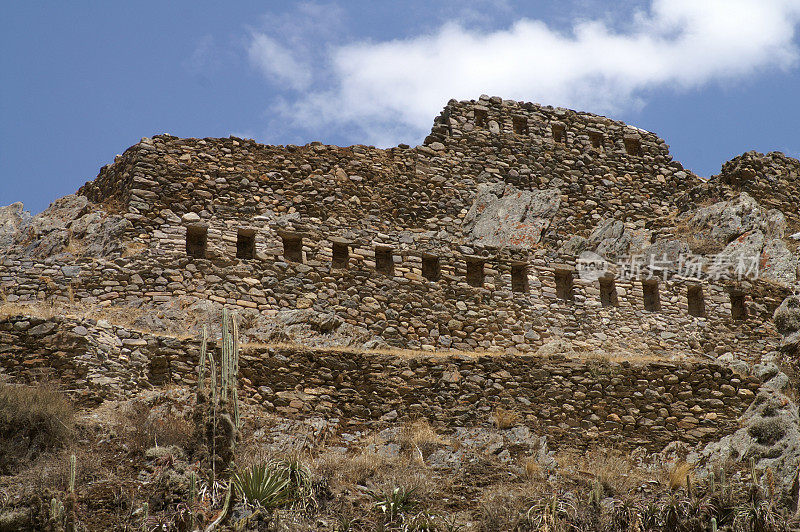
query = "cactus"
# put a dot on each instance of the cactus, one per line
(72, 469)
(713, 524)
(56, 514)
(201, 378)
(217, 416)
(70, 510)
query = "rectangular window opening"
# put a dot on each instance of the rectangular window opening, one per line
(519, 277)
(384, 261)
(738, 306)
(608, 292)
(341, 255)
(196, 241)
(564, 282)
(559, 133)
(696, 300)
(520, 124)
(293, 248)
(430, 267)
(246, 244)
(596, 138)
(475, 273)
(481, 117)
(633, 146)
(652, 297)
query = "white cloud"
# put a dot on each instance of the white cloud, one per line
(392, 90)
(278, 63)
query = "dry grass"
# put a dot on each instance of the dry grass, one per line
(33, 419)
(533, 471)
(611, 468)
(678, 475)
(144, 430)
(420, 439)
(504, 418)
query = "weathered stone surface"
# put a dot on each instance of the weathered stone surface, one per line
(727, 220)
(770, 437)
(778, 263)
(503, 216)
(12, 219)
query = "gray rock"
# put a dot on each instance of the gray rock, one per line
(778, 263)
(727, 220)
(741, 257)
(504, 216)
(13, 219)
(787, 316)
(613, 239)
(770, 435)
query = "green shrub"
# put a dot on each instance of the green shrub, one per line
(263, 485)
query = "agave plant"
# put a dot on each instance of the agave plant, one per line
(260, 484)
(394, 503)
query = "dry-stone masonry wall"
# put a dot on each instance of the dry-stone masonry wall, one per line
(384, 238)
(577, 401)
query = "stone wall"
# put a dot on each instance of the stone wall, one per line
(405, 308)
(416, 202)
(577, 401)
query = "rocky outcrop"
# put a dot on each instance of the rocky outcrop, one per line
(503, 216)
(71, 224)
(727, 220)
(770, 437)
(787, 322)
(13, 218)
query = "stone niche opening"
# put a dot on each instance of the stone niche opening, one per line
(608, 292)
(475, 272)
(564, 284)
(481, 117)
(559, 133)
(246, 244)
(633, 145)
(651, 295)
(596, 138)
(292, 247)
(696, 301)
(196, 241)
(519, 277)
(738, 306)
(341, 254)
(384, 260)
(520, 124)
(430, 267)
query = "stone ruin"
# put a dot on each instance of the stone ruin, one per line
(469, 243)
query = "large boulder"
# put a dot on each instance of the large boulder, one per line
(70, 224)
(787, 316)
(612, 239)
(728, 220)
(770, 436)
(778, 263)
(504, 216)
(13, 218)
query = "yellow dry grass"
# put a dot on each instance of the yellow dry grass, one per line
(679, 475)
(505, 418)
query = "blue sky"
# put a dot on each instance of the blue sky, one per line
(82, 81)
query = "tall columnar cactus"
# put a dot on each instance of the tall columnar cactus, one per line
(71, 511)
(217, 414)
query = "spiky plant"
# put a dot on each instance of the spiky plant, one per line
(261, 484)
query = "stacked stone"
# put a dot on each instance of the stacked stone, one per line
(578, 401)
